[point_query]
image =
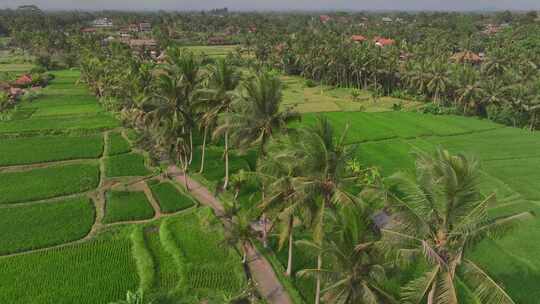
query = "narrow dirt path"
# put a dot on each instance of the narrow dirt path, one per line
(262, 272)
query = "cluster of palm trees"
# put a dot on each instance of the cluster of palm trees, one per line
(504, 86)
(363, 230)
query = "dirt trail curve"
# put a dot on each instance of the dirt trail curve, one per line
(262, 272)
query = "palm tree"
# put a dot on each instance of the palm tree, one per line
(438, 80)
(356, 275)
(440, 215)
(279, 173)
(326, 179)
(258, 116)
(238, 232)
(222, 81)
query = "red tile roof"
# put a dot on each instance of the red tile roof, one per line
(384, 41)
(24, 80)
(358, 38)
(324, 18)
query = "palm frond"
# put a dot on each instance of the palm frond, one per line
(484, 287)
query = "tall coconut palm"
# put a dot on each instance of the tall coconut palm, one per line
(357, 275)
(438, 80)
(284, 200)
(326, 179)
(222, 81)
(259, 115)
(440, 215)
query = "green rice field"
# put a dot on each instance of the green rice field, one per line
(131, 164)
(124, 206)
(170, 199)
(45, 224)
(44, 183)
(21, 150)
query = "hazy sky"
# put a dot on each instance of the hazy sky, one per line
(281, 4)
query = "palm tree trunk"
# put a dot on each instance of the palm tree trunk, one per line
(318, 290)
(290, 259)
(265, 233)
(226, 181)
(203, 150)
(190, 147)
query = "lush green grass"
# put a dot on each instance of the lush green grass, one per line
(44, 183)
(509, 160)
(322, 98)
(217, 51)
(143, 257)
(59, 125)
(47, 101)
(127, 206)
(131, 164)
(22, 150)
(214, 167)
(117, 144)
(43, 225)
(169, 198)
(388, 125)
(89, 273)
(68, 110)
(16, 67)
(206, 263)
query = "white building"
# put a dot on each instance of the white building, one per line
(102, 22)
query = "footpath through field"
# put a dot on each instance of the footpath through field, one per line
(261, 271)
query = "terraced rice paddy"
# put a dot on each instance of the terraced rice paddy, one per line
(61, 232)
(127, 206)
(101, 271)
(44, 183)
(22, 150)
(45, 224)
(170, 199)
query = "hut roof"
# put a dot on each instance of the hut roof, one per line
(23, 80)
(358, 38)
(466, 56)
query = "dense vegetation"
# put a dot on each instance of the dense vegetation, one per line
(345, 208)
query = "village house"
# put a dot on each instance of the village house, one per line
(358, 38)
(23, 82)
(324, 18)
(144, 47)
(88, 30)
(491, 29)
(382, 42)
(216, 40)
(102, 22)
(134, 28)
(145, 27)
(387, 20)
(466, 57)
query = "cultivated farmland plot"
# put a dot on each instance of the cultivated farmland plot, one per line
(509, 160)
